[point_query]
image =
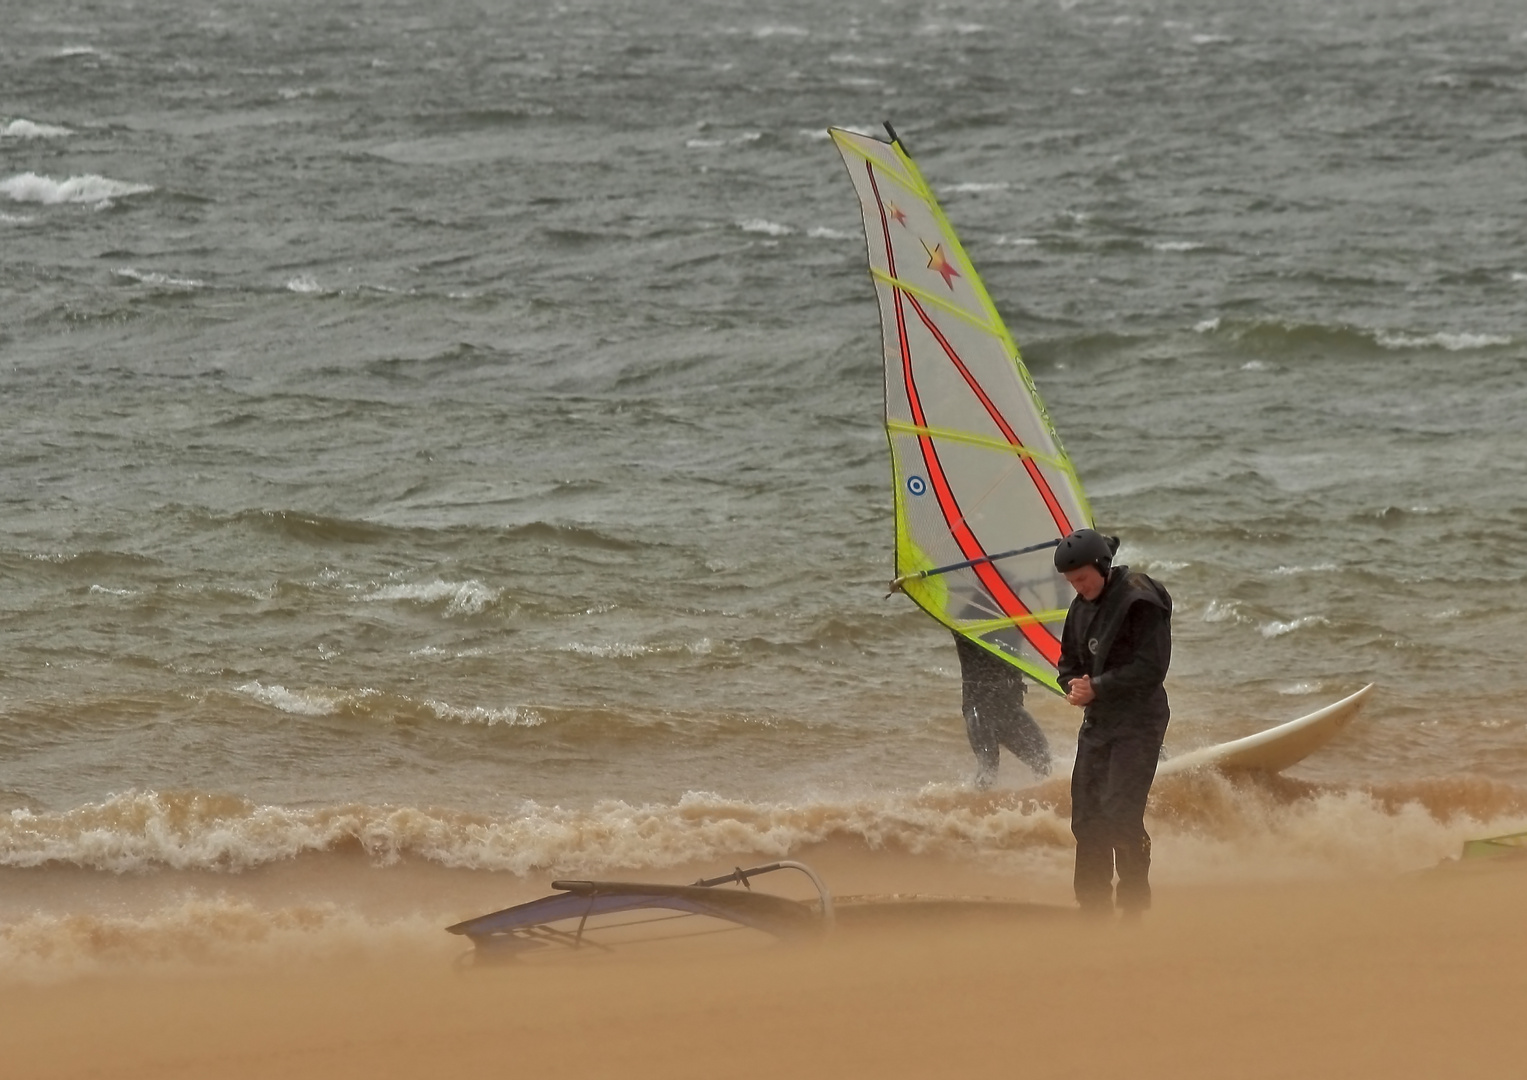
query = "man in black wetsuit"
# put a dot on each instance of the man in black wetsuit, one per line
(1114, 653)
(991, 697)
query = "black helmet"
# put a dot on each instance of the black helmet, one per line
(1086, 547)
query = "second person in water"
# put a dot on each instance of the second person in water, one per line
(991, 697)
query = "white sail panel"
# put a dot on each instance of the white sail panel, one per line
(979, 472)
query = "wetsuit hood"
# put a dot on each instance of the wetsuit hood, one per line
(1123, 589)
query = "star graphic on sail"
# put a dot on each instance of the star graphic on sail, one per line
(939, 263)
(896, 212)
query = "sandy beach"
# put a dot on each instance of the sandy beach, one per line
(1416, 976)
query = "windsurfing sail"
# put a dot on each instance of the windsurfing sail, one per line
(592, 918)
(604, 915)
(983, 489)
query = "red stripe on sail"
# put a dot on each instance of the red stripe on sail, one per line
(1057, 512)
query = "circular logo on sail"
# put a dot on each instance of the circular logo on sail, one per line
(917, 485)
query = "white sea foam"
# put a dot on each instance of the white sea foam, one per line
(1450, 342)
(27, 129)
(975, 187)
(822, 232)
(1016, 241)
(1318, 568)
(857, 60)
(1208, 326)
(103, 590)
(155, 278)
(935, 27)
(712, 144)
(1277, 628)
(509, 715)
(29, 187)
(1176, 245)
(304, 283)
(612, 650)
(142, 830)
(461, 597)
(297, 702)
(625, 650)
(1219, 611)
(1207, 826)
(767, 228)
(784, 30)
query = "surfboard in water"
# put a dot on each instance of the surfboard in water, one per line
(983, 489)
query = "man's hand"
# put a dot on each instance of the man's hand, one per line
(1081, 692)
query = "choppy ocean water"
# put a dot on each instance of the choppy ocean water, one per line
(450, 438)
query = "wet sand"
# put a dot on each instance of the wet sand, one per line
(1418, 976)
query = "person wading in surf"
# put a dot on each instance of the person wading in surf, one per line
(1114, 653)
(991, 697)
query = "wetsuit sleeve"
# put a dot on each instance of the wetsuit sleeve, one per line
(1147, 636)
(1072, 662)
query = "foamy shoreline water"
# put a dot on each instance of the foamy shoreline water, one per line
(1275, 826)
(190, 882)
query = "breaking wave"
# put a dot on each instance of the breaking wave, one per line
(460, 597)
(28, 129)
(191, 874)
(1295, 339)
(29, 187)
(368, 703)
(1207, 826)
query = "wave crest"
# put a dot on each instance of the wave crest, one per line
(1206, 826)
(29, 187)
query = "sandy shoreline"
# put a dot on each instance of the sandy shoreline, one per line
(1419, 976)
